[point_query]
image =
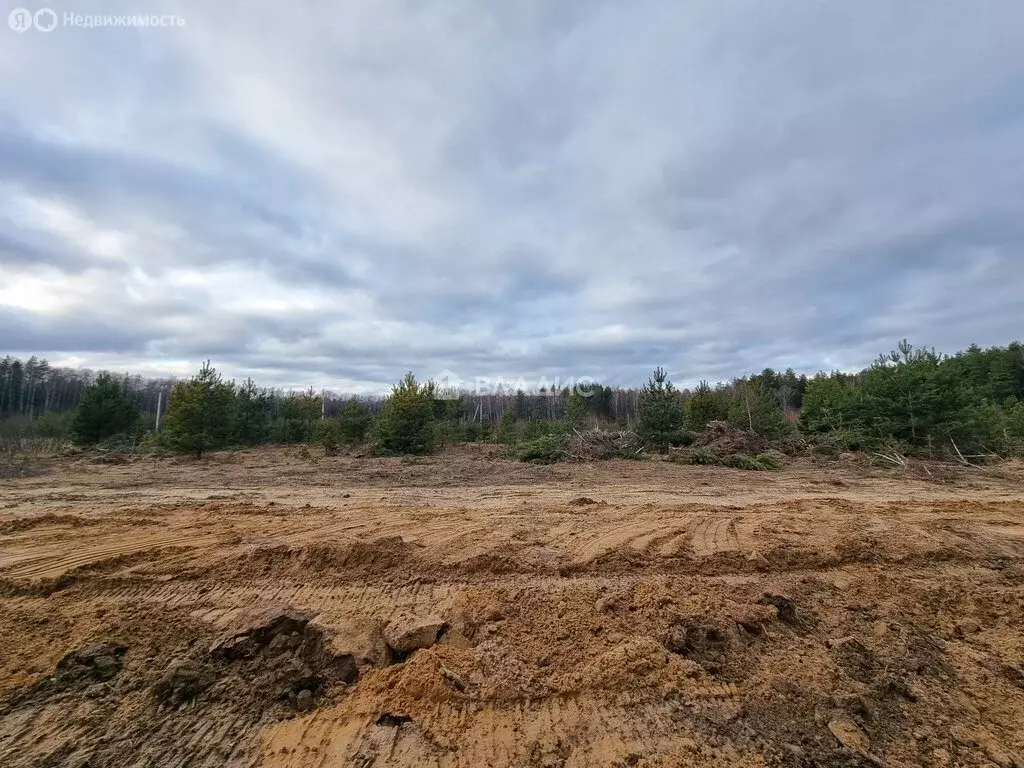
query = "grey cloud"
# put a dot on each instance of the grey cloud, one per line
(524, 189)
(25, 334)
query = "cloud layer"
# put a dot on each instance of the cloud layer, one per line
(331, 194)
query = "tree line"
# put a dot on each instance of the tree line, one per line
(912, 401)
(33, 389)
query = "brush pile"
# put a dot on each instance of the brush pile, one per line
(721, 439)
(595, 444)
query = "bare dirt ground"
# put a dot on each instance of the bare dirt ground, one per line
(258, 608)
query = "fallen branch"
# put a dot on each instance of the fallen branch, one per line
(896, 459)
(959, 455)
(963, 460)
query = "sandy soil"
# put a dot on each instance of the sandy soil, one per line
(259, 608)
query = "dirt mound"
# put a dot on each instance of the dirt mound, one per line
(28, 523)
(391, 554)
(267, 659)
(94, 663)
(180, 688)
(407, 634)
(182, 681)
(258, 629)
(639, 662)
(432, 676)
(508, 557)
(275, 653)
(385, 553)
(702, 642)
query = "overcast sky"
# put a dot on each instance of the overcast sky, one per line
(332, 193)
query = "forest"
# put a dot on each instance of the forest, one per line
(910, 401)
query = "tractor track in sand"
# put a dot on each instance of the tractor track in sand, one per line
(618, 613)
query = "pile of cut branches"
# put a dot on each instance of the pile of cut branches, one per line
(594, 444)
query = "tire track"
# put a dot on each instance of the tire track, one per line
(713, 535)
(58, 565)
(491, 733)
(616, 537)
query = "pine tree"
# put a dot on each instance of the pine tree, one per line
(327, 433)
(522, 409)
(703, 407)
(508, 428)
(15, 380)
(5, 376)
(106, 409)
(659, 416)
(354, 422)
(201, 413)
(575, 410)
(252, 414)
(406, 424)
(755, 408)
(297, 415)
(829, 405)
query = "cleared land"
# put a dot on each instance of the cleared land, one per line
(167, 612)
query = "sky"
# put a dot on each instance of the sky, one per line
(329, 194)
